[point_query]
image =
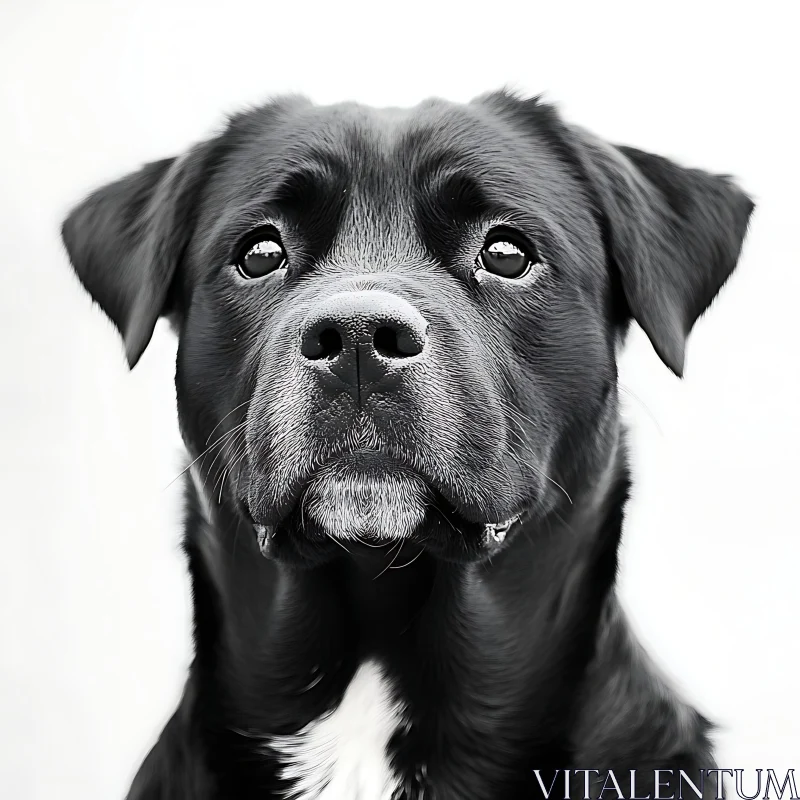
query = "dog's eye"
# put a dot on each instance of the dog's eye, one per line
(260, 254)
(503, 256)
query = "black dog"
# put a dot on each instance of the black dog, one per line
(396, 379)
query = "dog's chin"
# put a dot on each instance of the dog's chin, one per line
(351, 502)
(365, 500)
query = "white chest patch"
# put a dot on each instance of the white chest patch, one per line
(342, 754)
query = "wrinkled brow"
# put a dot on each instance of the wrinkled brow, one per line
(309, 184)
(448, 194)
(312, 195)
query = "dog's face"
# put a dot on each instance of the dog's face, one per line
(403, 325)
(414, 310)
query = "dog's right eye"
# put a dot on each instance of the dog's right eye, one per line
(260, 254)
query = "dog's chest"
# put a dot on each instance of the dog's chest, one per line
(343, 754)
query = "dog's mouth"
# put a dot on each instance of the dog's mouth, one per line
(365, 499)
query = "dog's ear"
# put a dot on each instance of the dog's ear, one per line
(673, 235)
(126, 239)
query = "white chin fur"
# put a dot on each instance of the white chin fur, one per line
(353, 504)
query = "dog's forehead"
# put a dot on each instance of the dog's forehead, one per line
(383, 146)
(348, 130)
(370, 167)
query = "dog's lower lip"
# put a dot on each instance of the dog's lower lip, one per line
(267, 521)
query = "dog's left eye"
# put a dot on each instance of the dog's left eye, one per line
(259, 255)
(503, 256)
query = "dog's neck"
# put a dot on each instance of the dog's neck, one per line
(513, 636)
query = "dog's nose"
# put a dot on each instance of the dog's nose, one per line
(363, 336)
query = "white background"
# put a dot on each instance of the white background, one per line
(94, 606)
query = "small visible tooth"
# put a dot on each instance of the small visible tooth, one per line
(496, 531)
(498, 534)
(264, 535)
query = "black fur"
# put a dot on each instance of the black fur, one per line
(510, 658)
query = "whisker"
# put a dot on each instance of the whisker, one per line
(371, 544)
(334, 539)
(513, 418)
(399, 550)
(224, 418)
(205, 452)
(409, 563)
(236, 428)
(238, 447)
(444, 517)
(644, 405)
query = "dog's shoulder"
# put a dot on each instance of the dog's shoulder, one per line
(175, 769)
(632, 704)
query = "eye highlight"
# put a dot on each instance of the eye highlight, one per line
(260, 254)
(504, 253)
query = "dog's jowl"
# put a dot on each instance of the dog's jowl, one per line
(397, 387)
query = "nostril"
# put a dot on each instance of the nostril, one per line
(385, 341)
(393, 343)
(324, 344)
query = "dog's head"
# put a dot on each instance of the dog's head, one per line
(403, 324)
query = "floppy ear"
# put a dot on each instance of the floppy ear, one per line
(673, 235)
(127, 238)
